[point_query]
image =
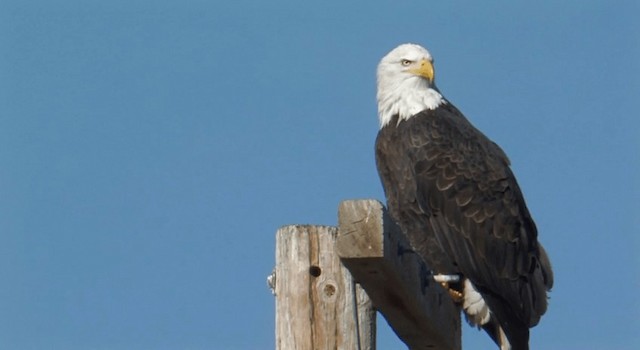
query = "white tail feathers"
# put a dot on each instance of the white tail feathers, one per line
(474, 306)
(478, 312)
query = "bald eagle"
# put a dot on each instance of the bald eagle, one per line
(451, 190)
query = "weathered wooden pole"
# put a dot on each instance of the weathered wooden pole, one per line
(378, 256)
(318, 305)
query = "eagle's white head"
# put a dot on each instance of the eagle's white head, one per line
(406, 83)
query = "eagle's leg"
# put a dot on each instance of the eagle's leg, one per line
(445, 281)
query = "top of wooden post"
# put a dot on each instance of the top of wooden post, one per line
(398, 282)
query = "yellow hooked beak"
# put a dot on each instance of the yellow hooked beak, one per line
(425, 70)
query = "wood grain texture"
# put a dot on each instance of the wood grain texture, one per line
(315, 294)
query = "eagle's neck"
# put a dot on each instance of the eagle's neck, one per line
(406, 98)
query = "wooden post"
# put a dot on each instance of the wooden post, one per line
(318, 305)
(378, 256)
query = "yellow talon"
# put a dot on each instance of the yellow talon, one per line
(455, 295)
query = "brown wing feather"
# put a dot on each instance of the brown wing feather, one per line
(451, 190)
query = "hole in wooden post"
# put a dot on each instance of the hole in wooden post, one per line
(315, 271)
(329, 290)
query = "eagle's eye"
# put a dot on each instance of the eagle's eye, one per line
(405, 62)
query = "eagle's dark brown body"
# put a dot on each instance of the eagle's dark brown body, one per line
(451, 190)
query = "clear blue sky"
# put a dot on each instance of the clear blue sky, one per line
(149, 150)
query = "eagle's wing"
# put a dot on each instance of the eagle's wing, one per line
(398, 180)
(460, 181)
(478, 214)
